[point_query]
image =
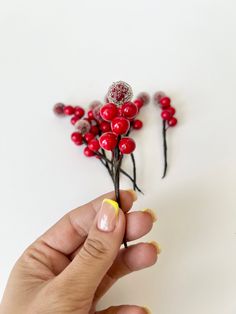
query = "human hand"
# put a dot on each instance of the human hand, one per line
(70, 267)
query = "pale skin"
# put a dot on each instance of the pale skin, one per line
(72, 265)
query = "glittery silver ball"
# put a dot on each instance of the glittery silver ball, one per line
(58, 109)
(157, 96)
(94, 104)
(96, 113)
(119, 93)
(82, 126)
(145, 97)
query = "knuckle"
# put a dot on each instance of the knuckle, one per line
(34, 253)
(29, 261)
(36, 262)
(94, 248)
(31, 254)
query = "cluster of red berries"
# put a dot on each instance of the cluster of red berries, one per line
(168, 111)
(106, 126)
(120, 119)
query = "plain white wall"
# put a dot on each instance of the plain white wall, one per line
(72, 51)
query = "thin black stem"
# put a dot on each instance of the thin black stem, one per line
(122, 171)
(134, 171)
(164, 147)
(107, 164)
(132, 180)
(112, 164)
(104, 161)
(117, 166)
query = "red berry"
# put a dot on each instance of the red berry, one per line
(139, 103)
(165, 102)
(74, 119)
(166, 115)
(88, 152)
(94, 145)
(144, 97)
(105, 126)
(90, 115)
(79, 111)
(108, 141)
(120, 125)
(94, 129)
(130, 110)
(171, 110)
(108, 112)
(58, 109)
(69, 110)
(119, 112)
(158, 96)
(172, 122)
(88, 136)
(137, 124)
(127, 145)
(77, 138)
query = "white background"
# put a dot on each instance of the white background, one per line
(71, 51)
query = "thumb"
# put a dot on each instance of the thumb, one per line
(98, 253)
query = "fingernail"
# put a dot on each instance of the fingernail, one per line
(151, 213)
(107, 217)
(157, 246)
(134, 195)
(147, 310)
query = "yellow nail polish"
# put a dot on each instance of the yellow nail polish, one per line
(148, 311)
(157, 246)
(134, 194)
(108, 216)
(114, 204)
(151, 213)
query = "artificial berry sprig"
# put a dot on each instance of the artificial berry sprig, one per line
(168, 120)
(120, 113)
(105, 130)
